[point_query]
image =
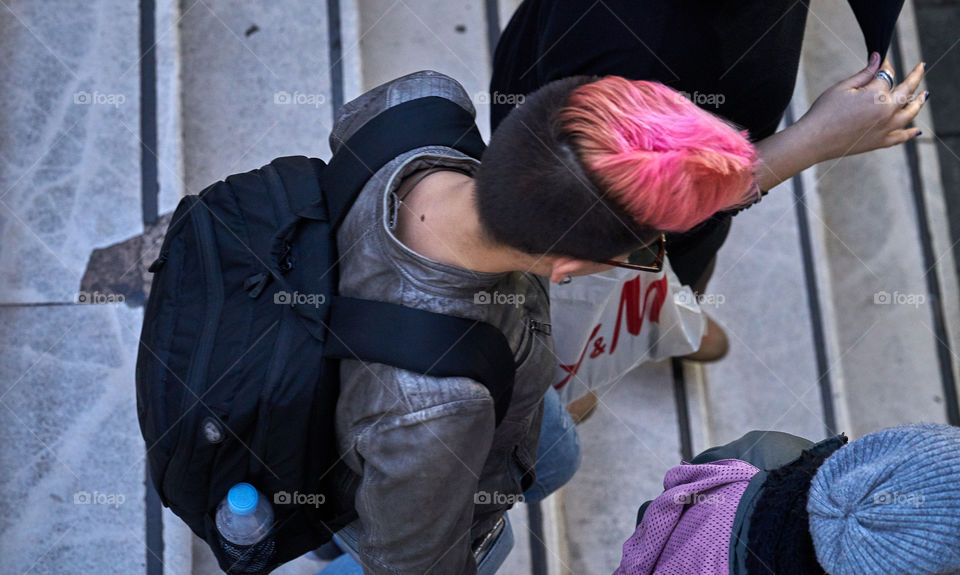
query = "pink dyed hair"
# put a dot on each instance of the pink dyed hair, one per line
(668, 163)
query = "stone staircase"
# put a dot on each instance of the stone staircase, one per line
(85, 126)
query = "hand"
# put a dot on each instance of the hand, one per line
(861, 113)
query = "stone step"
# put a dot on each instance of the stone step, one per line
(70, 183)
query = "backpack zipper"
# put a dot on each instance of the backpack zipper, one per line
(539, 326)
(204, 230)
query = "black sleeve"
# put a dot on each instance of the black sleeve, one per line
(877, 19)
(762, 449)
(642, 510)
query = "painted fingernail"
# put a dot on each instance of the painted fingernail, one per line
(919, 132)
(926, 96)
(924, 66)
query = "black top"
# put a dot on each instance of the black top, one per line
(735, 58)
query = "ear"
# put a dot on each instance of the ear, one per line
(564, 266)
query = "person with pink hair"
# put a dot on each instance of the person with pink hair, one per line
(654, 160)
(562, 190)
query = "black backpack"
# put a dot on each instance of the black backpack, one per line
(237, 374)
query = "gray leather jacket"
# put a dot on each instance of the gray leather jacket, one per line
(436, 474)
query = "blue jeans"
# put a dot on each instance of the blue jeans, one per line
(558, 453)
(558, 458)
(349, 562)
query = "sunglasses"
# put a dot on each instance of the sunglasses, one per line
(649, 258)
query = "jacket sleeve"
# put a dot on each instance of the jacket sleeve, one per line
(355, 113)
(762, 449)
(420, 472)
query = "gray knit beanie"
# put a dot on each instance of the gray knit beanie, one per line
(889, 503)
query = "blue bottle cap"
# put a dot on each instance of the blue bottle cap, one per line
(242, 498)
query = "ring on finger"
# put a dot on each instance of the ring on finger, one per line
(887, 77)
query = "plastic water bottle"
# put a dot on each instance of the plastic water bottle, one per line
(245, 516)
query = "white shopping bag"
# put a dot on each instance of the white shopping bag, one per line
(606, 324)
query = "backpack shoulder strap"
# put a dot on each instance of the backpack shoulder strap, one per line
(424, 342)
(419, 340)
(427, 121)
